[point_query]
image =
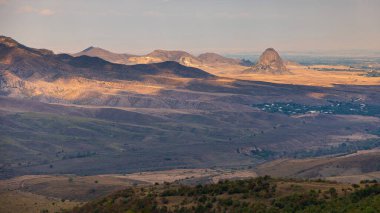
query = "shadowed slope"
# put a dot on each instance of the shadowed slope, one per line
(27, 63)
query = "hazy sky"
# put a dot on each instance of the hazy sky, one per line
(223, 26)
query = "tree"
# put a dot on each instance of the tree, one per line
(333, 192)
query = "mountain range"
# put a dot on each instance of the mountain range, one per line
(270, 61)
(157, 56)
(30, 63)
(203, 61)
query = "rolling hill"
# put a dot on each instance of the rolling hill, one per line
(261, 194)
(117, 58)
(210, 62)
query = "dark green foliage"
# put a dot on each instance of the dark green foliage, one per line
(260, 187)
(345, 108)
(364, 200)
(227, 196)
(121, 202)
(368, 181)
(297, 202)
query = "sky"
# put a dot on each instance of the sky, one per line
(196, 26)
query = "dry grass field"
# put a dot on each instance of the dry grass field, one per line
(347, 168)
(213, 175)
(356, 178)
(33, 193)
(310, 77)
(19, 201)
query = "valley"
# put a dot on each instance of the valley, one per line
(87, 127)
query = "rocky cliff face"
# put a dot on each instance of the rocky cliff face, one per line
(270, 62)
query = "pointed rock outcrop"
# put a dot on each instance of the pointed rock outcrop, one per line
(269, 62)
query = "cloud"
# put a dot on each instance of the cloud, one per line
(42, 11)
(46, 12)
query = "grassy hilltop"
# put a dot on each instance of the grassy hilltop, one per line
(262, 194)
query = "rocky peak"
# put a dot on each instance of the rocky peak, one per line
(270, 62)
(269, 57)
(7, 41)
(89, 49)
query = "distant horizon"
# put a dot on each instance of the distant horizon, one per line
(334, 53)
(347, 51)
(224, 27)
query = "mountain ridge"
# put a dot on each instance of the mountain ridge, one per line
(119, 58)
(160, 55)
(27, 62)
